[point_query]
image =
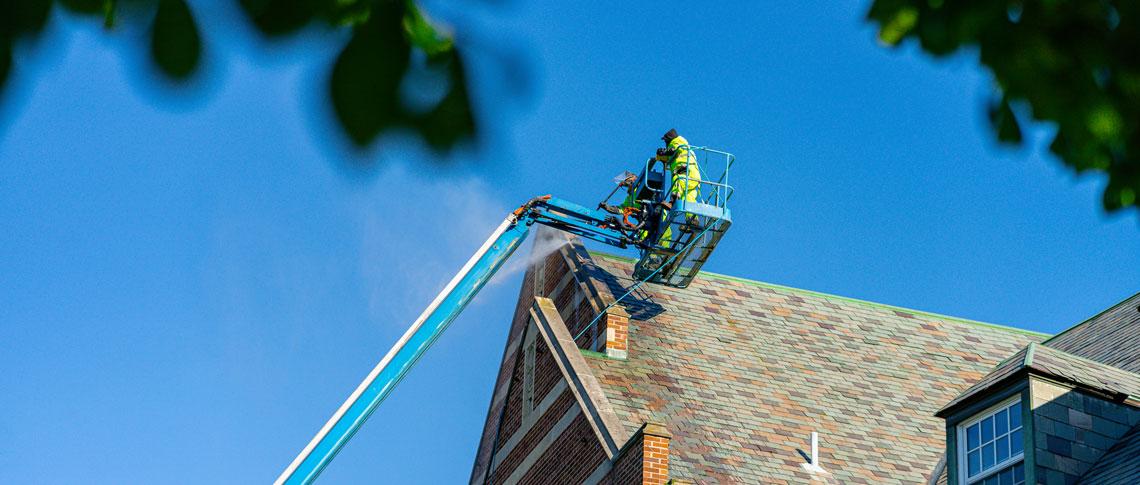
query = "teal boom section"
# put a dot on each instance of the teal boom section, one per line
(400, 359)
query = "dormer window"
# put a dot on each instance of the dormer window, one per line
(991, 448)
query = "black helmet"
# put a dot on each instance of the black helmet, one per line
(669, 135)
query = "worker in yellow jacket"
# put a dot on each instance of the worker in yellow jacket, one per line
(681, 162)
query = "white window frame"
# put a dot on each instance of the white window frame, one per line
(963, 460)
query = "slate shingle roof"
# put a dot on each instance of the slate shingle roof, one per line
(1060, 365)
(742, 372)
(1006, 368)
(1120, 464)
(1111, 337)
(1082, 371)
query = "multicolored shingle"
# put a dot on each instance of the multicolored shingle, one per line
(742, 372)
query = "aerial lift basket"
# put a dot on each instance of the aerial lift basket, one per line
(691, 230)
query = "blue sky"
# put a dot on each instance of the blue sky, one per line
(190, 285)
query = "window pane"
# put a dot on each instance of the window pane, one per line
(1015, 444)
(991, 481)
(987, 456)
(1002, 448)
(1015, 415)
(1001, 425)
(972, 437)
(987, 429)
(975, 464)
(1006, 477)
(1018, 473)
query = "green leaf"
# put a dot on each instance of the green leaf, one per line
(452, 119)
(19, 18)
(1104, 122)
(423, 34)
(108, 14)
(5, 61)
(1004, 122)
(347, 13)
(1119, 196)
(279, 17)
(899, 25)
(83, 6)
(365, 82)
(175, 44)
(23, 17)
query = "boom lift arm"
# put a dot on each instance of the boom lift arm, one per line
(435, 319)
(598, 225)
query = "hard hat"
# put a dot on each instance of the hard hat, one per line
(669, 135)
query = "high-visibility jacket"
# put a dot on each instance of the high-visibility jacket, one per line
(686, 173)
(631, 198)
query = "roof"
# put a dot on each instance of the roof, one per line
(1120, 464)
(1110, 337)
(1054, 363)
(741, 372)
(1078, 370)
(1003, 370)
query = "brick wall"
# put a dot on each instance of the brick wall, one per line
(564, 279)
(507, 373)
(546, 373)
(1072, 429)
(627, 467)
(540, 447)
(526, 442)
(510, 459)
(572, 458)
(512, 415)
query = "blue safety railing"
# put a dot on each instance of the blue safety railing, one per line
(716, 193)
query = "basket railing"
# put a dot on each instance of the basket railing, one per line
(715, 193)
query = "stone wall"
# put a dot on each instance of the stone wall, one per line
(1072, 429)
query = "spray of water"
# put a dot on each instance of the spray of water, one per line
(544, 241)
(409, 253)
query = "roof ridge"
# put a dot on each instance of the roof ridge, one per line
(1089, 319)
(1087, 360)
(843, 298)
(1024, 362)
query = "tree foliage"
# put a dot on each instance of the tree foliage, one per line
(1073, 63)
(390, 39)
